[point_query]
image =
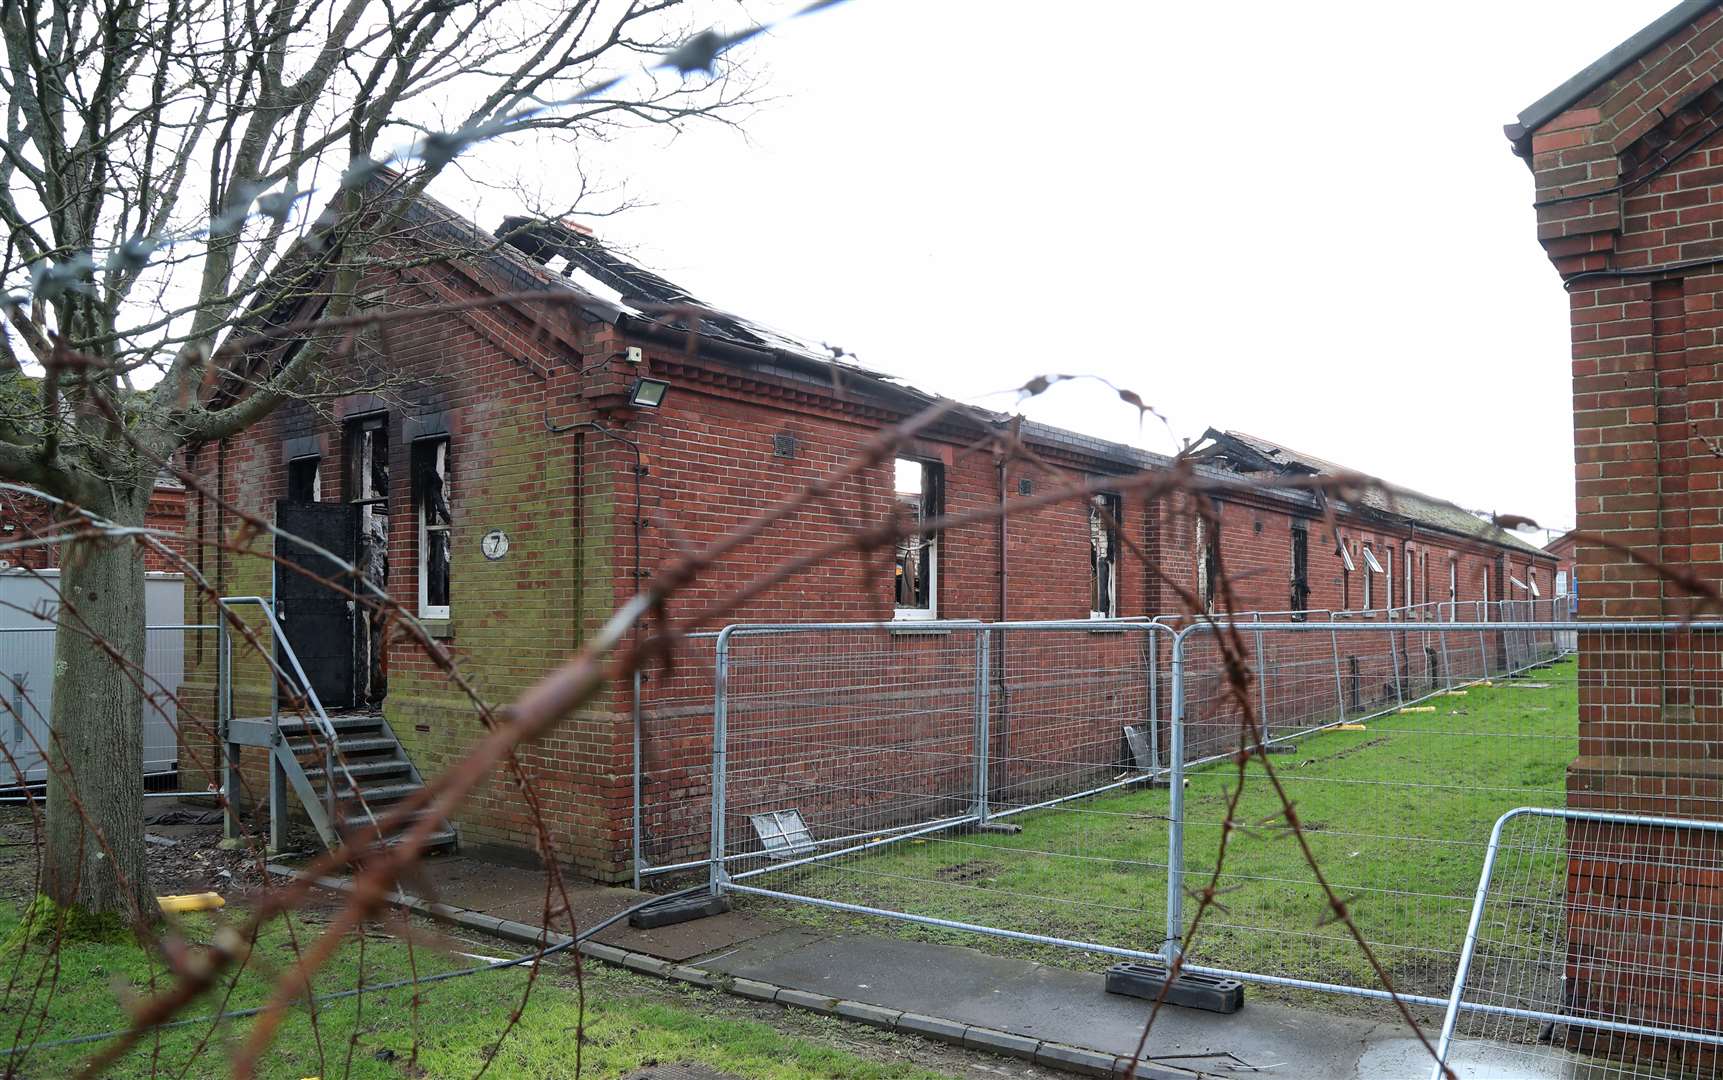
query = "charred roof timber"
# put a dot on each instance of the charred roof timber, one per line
(1239, 453)
(537, 253)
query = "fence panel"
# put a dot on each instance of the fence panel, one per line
(1565, 972)
(1397, 753)
(1070, 784)
(672, 822)
(948, 774)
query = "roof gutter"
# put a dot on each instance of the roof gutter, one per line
(1598, 72)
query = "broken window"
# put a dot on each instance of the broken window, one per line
(1300, 569)
(1453, 582)
(1208, 560)
(1105, 514)
(303, 482)
(431, 491)
(368, 488)
(920, 492)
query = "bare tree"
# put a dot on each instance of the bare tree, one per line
(158, 162)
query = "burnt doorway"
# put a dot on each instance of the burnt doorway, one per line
(317, 620)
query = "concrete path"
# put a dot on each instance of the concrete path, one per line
(1057, 1016)
(1041, 1002)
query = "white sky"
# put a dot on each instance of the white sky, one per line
(1297, 220)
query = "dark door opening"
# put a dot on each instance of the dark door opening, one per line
(318, 621)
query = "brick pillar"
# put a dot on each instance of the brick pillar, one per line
(1645, 393)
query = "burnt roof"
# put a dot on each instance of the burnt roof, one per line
(618, 290)
(1243, 453)
(1600, 71)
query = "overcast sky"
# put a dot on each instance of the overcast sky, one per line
(1296, 220)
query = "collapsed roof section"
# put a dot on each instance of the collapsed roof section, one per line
(534, 253)
(1250, 455)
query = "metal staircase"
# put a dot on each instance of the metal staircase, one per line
(346, 770)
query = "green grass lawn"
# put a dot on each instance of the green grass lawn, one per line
(458, 1020)
(1398, 816)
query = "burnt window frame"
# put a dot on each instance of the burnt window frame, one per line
(296, 472)
(1107, 514)
(932, 505)
(1300, 598)
(422, 464)
(1208, 557)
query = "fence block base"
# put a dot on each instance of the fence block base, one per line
(1193, 991)
(672, 912)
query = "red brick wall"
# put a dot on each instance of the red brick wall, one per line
(25, 517)
(1630, 185)
(707, 462)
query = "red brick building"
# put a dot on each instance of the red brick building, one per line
(26, 517)
(509, 492)
(1565, 548)
(1628, 171)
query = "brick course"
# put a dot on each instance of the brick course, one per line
(1629, 192)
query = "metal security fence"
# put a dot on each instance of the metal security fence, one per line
(1562, 964)
(672, 719)
(859, 766)
(1398, 745)
(1070, 783)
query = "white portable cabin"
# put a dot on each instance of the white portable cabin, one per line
(28, 604)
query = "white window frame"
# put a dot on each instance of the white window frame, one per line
(428, 610)
(1532, 583)
(1349, 569)
(1410, 591)
(1561, 582)
(929, 551)
(1372, 567)
(1453, 583)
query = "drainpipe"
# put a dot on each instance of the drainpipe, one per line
(1004, 563)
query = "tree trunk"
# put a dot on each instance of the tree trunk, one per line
(94, 855)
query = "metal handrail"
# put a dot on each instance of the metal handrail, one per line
(310, 695)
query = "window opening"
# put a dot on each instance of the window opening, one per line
(919, 490)
(1105, 514)
(1300, 601)
(436, 547)
(368, 488)
(304, 485)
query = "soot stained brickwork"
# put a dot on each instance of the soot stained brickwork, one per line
(548, 459)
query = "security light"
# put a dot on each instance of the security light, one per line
(648, 393)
